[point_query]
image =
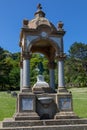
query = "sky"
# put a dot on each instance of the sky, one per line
(73, 13)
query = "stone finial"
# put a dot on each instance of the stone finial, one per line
(60, 25)
(39, 12)
(25, 22)
(39, 7)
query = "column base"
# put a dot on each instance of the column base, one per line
(62, 89)
(26, 90)
(26, 116)
(66, 115)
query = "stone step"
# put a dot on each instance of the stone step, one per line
(30, 123)
(26, 116)
(54, 127)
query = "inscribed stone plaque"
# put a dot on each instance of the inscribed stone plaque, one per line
(65, 103)
(27, 104)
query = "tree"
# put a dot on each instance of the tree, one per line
(9, 68)
(2, 75)
(14, 78)
(76, 65)
(78, 51)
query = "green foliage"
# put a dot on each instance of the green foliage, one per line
(76, 65)
(78, 51)
(14, 78)
(9, 69)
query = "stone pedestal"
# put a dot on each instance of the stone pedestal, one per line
(26, 107)
(65, 105)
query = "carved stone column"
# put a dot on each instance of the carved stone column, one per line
(61, 73)
(63, 97)
(21, 75)
(51, 66)
(26, 72)
(61, 83)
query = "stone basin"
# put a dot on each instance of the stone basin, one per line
(45, 100)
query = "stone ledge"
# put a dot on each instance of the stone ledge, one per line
(59, 127)
(26, 116)
(41, 123)
(66, 115)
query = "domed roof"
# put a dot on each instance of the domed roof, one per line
(40, 20)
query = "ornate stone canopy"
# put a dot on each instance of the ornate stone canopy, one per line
(40, 35)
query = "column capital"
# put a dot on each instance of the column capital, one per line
(21, 57)
(26, 55)
(21, 64)
(52, 65)
(61, 56)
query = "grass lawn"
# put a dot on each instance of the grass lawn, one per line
(8, 103)
(80, 101)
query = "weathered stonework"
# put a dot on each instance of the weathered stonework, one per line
(42, 107)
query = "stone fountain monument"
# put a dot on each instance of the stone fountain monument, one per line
(40, 106)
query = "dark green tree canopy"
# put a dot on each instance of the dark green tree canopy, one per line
(76, 65)
(78, 50)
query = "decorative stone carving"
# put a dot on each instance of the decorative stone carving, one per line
(60, 56)
(26, 55)
(44, 34)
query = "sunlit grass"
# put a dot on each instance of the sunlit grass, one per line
(7, 105)
(80, 101)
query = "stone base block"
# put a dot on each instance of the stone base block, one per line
(40, 90)
(26, 116)
(66, 115)
(10, 122)
(26, 90)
